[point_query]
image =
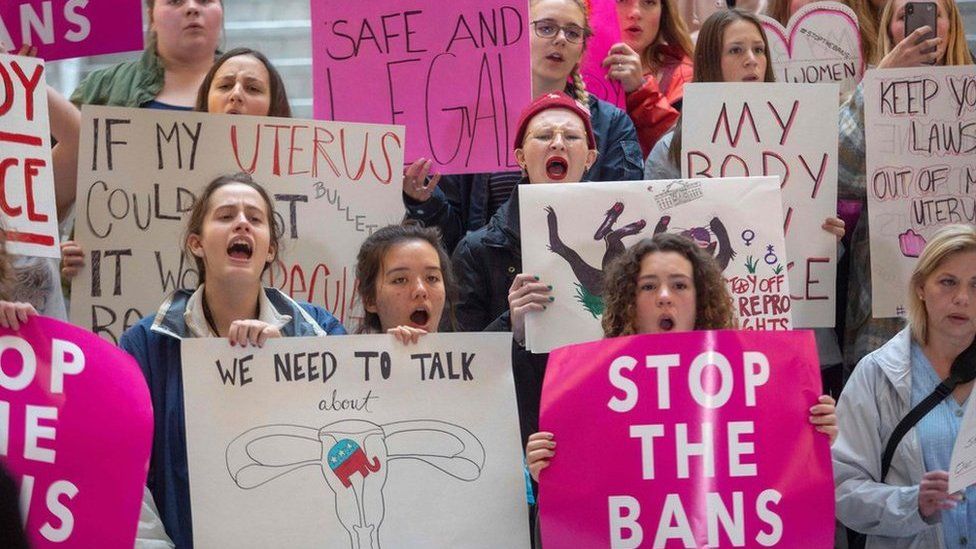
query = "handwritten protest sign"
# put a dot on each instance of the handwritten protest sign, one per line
(571, 232)
(704, 441)
(788, 130)
(62, 29)
(962, 469)
(606, 32)
(456, 74)
(141, 170)
(390, 445)
(821, 43)
(27, 206)
(919, 127)
(75, 429)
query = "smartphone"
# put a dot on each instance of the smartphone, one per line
(921, 14)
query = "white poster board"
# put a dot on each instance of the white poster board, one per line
(139, 171)
(786, 130)
(921, 173)
(28, 209)
(355, 442)
(821, 43)
(571, 231)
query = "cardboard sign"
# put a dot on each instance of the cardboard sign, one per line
(28, 208)
(704, 441)
(456, 74)
(75, 430)
(821, 43)
(63, 29)
(140, 171)
(920, 172)
(570, 233)
(373, 443)
(787, 130)
(606, 32)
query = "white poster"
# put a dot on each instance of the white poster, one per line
(571, 232)
(821, 43)
(28, 210)
(139, 173)
(355, 442)
(920, 126)
(786, 130)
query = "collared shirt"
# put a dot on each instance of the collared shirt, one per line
(196, 319)
(937, 433)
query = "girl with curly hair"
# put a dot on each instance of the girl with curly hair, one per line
(666, 284)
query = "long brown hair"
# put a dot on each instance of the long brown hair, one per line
(194, 223)
(369, 269)
(957, 51)
(708, 59)
(672, 42)
(276, 86)
(713, 304)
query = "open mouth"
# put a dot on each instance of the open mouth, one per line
(750, 78)
(240, 250)
(420, 317)
(556, 168)
(555, 56)
(665, 324)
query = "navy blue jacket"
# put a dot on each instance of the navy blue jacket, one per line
(155, 344)
(459, 204)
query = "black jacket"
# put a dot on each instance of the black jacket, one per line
(459, 204)
(485, 263)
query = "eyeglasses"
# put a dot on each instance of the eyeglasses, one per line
(547, 28)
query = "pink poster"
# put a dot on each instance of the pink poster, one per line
(697, 439)
(456, 74)
(75, 431)
(63, 29)
(606, 33)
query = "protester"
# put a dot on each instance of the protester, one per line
(652, 64)
(183, 38)
(558, 38)
(405, 282)
(863, 333)
(911, 506)
(666, 284)
(232, 239)
(243, 81)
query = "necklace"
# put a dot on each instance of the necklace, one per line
(209, 317)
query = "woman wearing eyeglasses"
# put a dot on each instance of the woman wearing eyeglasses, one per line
(557, 37)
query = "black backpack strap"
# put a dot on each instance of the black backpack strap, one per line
(909, 421)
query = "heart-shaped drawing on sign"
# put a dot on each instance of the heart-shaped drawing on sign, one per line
(821, 43)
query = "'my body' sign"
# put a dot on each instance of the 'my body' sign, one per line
(703, 441)
(27, 205)
(456, 74)
(785, 130)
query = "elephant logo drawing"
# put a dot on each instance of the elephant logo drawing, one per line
(354, 457)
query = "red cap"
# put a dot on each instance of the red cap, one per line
(556, 100)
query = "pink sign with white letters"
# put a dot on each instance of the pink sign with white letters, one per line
(456, 74)
(75, 431)
(696, 439)
(63, 29)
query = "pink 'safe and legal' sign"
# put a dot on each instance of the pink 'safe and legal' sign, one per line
(697, 439)
(63, 29)
(456, 74)
(75, 432)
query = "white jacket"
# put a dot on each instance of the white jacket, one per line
(875, 399)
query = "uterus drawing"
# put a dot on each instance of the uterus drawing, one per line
(354, 457)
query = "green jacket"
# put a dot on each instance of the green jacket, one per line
(131, 84)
